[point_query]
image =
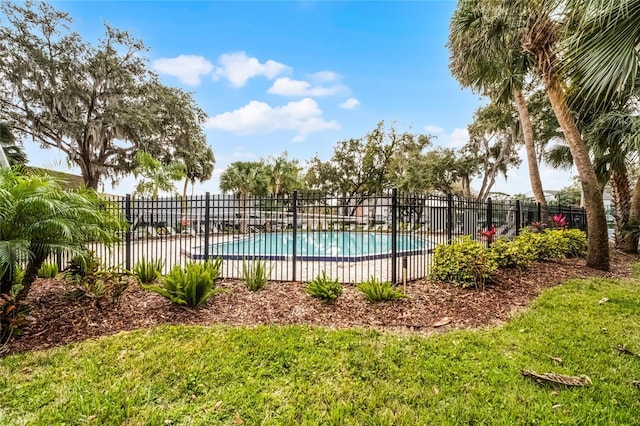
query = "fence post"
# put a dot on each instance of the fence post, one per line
(489, 218)
(570, 217)
(394, 234)
(584, 220)
(295, 234)
(127, 234)
(518, 217)
(449, 218)
(207, 224)
(539, 212)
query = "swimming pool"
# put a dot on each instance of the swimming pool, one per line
(328, 246)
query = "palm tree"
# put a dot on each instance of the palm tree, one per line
(244, 178)
(601, 56)
(615, 142)
(485, 58)
(613, 139)
(539, 32)
(198, 167)
(156, 176)
(283, 175)
(38, 218)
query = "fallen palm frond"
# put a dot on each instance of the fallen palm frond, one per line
(622, 349)
(558, 378)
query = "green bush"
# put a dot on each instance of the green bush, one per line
(90, 282)
(545, 246)
(255, 274)
(464, 263)
(148, 271)
(48, 270)
(509, 254)
(323, 288)
(376, 291)
(82, 266)
(192, 285)
(576, 242)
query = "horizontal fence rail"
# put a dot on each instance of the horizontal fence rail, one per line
(390, 237)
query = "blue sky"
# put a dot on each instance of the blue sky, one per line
(298, 76)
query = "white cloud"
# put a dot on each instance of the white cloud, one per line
(518, 181)
(350, 103)
(457, 138)
(288, 87)
(304, 116)
(187, 68)
(433, 129)
(237, 67)
(239, 153)
(324, 77)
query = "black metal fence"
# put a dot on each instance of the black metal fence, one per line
(389, 237)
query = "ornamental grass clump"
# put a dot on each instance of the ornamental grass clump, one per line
(463, 263)
(255, 274)
(323, 288)
(48, 270)
(376, 291)
(190, 286)
(148, 271)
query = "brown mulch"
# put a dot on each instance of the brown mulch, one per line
(55, 320)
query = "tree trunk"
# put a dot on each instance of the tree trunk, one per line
(30, 275)
(634, 217)
(89, 175)
(244, 226)
(598, 240)
(529, 143)
(622, 203)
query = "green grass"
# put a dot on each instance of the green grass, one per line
(302, 375)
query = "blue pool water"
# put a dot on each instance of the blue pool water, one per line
(331, 246)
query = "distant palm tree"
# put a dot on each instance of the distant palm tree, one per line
(38, 218)
(244, 178)
(284, 176)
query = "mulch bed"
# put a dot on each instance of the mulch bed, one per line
(55, 320)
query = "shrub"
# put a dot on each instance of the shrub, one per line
(576, 242)
(81, 266)
(255, 274)
(323, 288)
(12, 314)
(464, 262)
(376, 291)
(545, 246)
(510, 254)
(48, 270)
(90, 282)
(190, 286)
(148, 271)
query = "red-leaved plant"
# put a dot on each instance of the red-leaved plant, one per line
(558, 221)
(489, 234)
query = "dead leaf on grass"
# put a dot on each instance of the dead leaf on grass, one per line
(443, 321)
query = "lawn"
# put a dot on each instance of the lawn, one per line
(189, 375)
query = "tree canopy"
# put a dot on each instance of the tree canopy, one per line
(99, 104)
(367, 165)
